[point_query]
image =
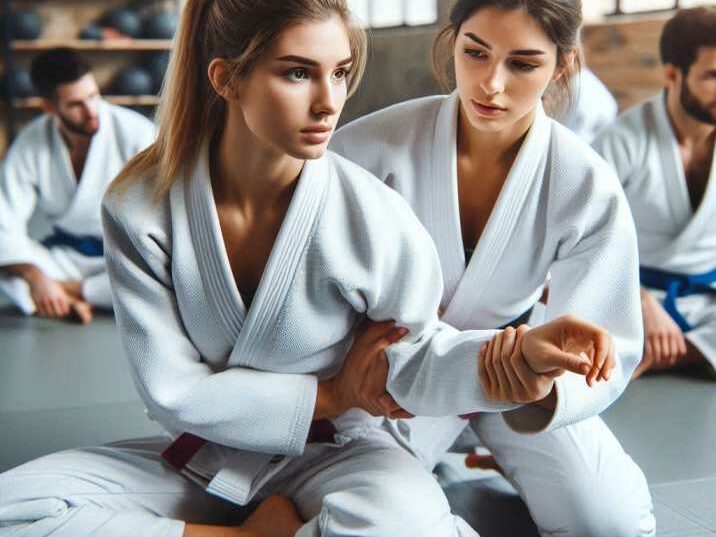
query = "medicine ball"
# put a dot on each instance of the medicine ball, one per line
(160, 25)
(92, 32)
(133, 81)
(156, 66)
(25, 23)
(21, 84)
(124, 20)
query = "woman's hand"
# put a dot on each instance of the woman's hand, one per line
(520, 365)
(571, 344)
(506, 376)
(362, 380)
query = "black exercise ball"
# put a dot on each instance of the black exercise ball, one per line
(156, 66)
(25, 24)
(125, 21)
(21, 84)
(92, 32)
(133, 81)
(160, 25)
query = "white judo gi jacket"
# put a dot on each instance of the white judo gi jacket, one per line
(561, 214)
(37, 175)
(246, 380)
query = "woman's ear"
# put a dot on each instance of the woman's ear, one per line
(567, 66)
(221, 79)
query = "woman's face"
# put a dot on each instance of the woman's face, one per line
(503, 64)
(294, 96)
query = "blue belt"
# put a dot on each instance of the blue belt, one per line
(677, 285)
(85, 244)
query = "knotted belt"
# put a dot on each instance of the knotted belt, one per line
(181, 451)
(676, 286)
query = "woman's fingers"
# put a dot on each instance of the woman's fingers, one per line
(580, 364)
(490, 375)
(509, 337)
(656, 348)
(610, 363)
(602, 345)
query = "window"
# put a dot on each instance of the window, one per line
(392, 13)
(595, 9)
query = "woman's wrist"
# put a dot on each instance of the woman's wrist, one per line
(328, 404)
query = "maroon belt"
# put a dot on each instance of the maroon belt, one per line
(181, 451)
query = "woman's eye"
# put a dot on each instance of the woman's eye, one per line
(297, 74)
(341, 74)
(474, 53)
(524, 66)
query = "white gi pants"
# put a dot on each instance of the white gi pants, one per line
(370, 487)
(62, 263)
(577, 481)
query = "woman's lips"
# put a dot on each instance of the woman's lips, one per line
(317, 135)
(486, 110)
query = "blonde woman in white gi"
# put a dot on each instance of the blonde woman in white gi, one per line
(512, 198)
(663, 151)
(243, 257)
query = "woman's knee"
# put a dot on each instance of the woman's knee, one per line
(405, 501)
(599, 507)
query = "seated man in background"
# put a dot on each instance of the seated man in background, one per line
(663, 152)
(60, 165)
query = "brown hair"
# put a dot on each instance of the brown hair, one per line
(685, 33)
(190, 111)
(559, 19)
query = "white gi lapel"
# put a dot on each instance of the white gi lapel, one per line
(249, 329)
(83, 212)
(672, 166)
(286, 255)
(213, 263)
(442, 215)
(528, 167)
(690, 224)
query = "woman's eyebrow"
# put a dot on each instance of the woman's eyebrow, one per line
(518, 52)
(307, 61)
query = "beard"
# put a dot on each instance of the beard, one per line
(81, 129)
(695, 108)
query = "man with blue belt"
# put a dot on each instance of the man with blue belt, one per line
(663, 151)
(60, 165)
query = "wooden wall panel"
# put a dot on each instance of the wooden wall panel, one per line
(625, 56)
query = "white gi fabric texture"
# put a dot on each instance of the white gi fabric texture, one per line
(562, 214)
(370, 487)
(246, 380)
(37, 175)
(642, 148)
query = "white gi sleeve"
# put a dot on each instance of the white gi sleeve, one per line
(434, 370)
(18, 199)
(595, 275)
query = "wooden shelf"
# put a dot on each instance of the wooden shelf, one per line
(82, 44)
(122, 100)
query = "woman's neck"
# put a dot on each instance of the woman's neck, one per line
(495, 147)
(247, 173)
